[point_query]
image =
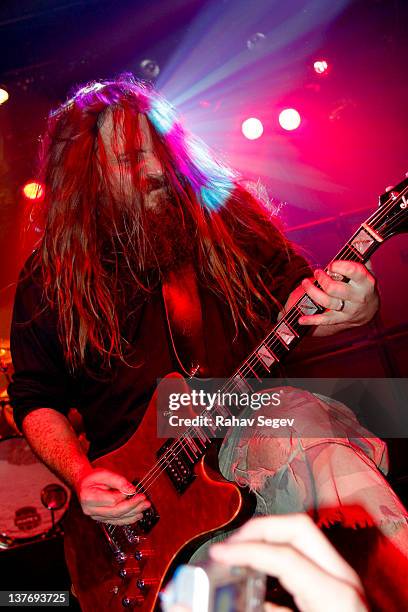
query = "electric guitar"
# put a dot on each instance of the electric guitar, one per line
(116, 567)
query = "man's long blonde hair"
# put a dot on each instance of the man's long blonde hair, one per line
(93, 244)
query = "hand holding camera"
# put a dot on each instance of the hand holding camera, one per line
(292, 549)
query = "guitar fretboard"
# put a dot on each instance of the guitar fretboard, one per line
(178, 456)
(288, 332)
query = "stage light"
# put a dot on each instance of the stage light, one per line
(150, 68)
(321, 66)
(33, 191)
(252, 128)
(4, 96)
(289, 119)
(256, 42)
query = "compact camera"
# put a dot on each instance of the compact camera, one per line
(215, 587)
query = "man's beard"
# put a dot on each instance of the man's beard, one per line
(169, 235)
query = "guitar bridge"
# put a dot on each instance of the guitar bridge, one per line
(150, 516)
(120, 536)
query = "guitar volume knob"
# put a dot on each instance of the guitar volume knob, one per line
(143, 553)
(132, 602)
(127, 572)
(143, 584)
(120, 557)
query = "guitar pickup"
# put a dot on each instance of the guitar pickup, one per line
(150, 518)
(178, 465)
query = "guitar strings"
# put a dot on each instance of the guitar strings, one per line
(182, 443)
(395, 222)
(381, 212)
(352, 256)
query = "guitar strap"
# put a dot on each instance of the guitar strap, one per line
(185, 319)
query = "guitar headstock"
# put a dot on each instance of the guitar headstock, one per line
(392, 215)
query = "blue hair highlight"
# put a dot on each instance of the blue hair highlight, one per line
(162, 115)
(215, 180)
(211, 181)
(215, 198)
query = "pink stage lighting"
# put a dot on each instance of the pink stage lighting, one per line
(289, 119)
(33, 191)
(252, 128)
(320, 66)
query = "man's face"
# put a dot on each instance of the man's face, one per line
(169, 243)
(121, 156)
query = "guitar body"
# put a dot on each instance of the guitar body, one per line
(112, 568)
(207, 504)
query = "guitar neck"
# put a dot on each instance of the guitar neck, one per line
(390, 219)
(287, 334)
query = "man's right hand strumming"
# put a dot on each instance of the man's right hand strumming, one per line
(104, 496)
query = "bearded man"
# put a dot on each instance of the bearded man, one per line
(141, 226)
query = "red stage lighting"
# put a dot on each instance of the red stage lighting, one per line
(321, 66)
(289, 119)
(33, 190)
(252, 128)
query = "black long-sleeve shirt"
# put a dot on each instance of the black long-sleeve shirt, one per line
(113, 407)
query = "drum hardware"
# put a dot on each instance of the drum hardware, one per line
(33, 500)
(5, 542)
(53, 497)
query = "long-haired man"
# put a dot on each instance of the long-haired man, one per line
(142, 225)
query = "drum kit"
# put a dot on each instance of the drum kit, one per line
(32, 499)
